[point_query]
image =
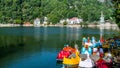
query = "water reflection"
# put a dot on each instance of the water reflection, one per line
(77, 33)
(101, 31)
(72, 33)
(61, 33)
(37, 33)
(45, 34)
(41, 44)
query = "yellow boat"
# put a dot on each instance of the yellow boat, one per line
(72, 61)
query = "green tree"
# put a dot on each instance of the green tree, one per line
(28, 10)
(117, 11)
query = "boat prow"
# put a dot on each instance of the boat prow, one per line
(72, 60)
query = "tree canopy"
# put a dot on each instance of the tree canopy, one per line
(117, 11)
(19, 11)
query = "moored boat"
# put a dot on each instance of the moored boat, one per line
(72, 60)
(102, 55)
(65, 52)
(62, 54)
(86, 62)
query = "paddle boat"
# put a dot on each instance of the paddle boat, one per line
(62, 54)
(72, 60)
(65, 52)
(106, 45)
(87, 62)
(104, 63)
(86, 49)
(99, 54)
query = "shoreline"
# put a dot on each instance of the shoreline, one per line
(104, 26)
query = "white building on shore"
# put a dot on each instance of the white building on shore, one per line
(75, 20)
(37, 22)
(45, 21)
(71, 21)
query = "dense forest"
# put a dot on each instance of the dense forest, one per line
(117, 11)
(19, 11)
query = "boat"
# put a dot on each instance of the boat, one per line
(87, 62)
(106, 45)
(86, 48)
(101, 53)
(102, 63)
(72, 60)
(65, 52)
(62, 54)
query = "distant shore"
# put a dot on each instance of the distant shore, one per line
(105, 26)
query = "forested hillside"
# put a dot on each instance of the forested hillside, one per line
(19, 11)
(117, 11)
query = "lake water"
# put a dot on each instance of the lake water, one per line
(39, 46)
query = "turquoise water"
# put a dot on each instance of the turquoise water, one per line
(40, 45)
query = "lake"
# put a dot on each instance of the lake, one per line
(37, 47)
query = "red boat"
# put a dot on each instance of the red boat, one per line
(101, 63)
(62, 54)
(67, 50)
